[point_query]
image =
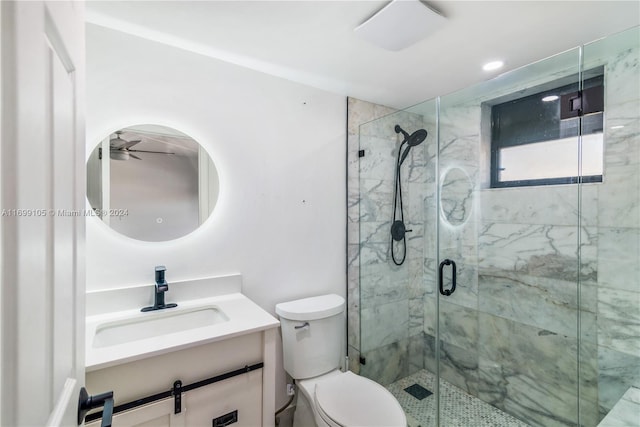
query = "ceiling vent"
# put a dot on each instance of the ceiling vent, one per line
(400, 24)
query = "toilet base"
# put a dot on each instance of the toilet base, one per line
(349, 397)
(303, 416)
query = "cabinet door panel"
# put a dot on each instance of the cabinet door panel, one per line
(242, 393)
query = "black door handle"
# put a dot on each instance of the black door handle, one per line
(444, 291)
(87, 403)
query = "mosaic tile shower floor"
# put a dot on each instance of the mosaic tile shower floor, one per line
(460, 409)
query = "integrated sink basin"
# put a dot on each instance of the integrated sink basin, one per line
(154, 324)
(209, 310)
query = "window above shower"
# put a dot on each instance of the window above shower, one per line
(535, 133)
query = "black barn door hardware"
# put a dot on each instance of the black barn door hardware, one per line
(87, 403)
(175, 392)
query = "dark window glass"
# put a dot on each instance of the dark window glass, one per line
(534, 138)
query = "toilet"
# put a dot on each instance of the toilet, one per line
(313, 332)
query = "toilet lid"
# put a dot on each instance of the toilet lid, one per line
(352, 400)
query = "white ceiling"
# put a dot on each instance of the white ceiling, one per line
(312, 42)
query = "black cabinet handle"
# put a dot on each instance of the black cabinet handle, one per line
(87, 403)
(443, 291)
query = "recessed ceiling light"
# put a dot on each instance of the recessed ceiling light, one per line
(617, 127)
(493, 65)
(550, 98)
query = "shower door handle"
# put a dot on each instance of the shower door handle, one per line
(444, 291)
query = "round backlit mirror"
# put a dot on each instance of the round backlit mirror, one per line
(151, 183)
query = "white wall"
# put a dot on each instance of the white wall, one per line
(279, 148)
(280, 152)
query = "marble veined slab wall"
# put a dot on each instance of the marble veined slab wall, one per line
(618, 215)
(522, 328)
(386, 301)
(358, 113)
(391, 296)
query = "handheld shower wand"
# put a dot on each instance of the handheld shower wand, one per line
(398, 228)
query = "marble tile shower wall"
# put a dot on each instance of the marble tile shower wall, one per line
(358, 112)
(618, 214)
(509, 334)
(528, 303)
(385, 300)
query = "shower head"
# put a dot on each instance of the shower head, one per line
(412, 140)
(417, 137)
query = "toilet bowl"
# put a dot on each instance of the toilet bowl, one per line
(312, 331)
(345, 399)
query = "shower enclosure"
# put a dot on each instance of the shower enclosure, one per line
(526, 193)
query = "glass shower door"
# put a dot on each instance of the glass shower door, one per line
(396, 234)
(384, 287)
(512, 296)
(610, 332)
(509, 234)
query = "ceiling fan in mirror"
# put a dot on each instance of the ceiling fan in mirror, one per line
(120, 149)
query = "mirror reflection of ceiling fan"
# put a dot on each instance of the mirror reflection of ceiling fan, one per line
(120, 149)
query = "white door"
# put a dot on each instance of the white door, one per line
(42, 184)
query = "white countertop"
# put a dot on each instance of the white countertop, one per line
(244, 315)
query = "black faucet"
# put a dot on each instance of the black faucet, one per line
(161, 287)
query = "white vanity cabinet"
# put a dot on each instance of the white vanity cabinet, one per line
(215, 330)
(240, 397)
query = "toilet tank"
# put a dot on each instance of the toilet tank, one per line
(312, 335)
